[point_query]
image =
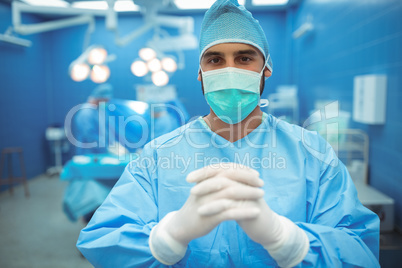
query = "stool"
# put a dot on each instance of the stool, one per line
(8, 153)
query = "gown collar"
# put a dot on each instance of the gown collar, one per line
(263, 127)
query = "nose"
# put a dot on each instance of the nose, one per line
(230, 62)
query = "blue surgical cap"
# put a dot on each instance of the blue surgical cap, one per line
(228, 22)
(103, 91)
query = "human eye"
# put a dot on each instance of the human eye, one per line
(245, 59)
(215, 60)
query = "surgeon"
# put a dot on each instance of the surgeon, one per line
(90, 125)
(237, 187)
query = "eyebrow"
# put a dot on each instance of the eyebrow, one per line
(212, 53)
(250, 52)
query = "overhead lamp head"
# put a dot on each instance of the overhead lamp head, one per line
(169, 64)
(147, 54)
(79, 72)
(100, 73)
(97, 55)
(160, 78)
(154, 65)
(139, 68)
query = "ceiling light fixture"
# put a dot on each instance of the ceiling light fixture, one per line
(154, 65)
(147, 53)
(198, 4)
(92, 64)
(100, 73)
(119, 6)
(79, 72)
(97, 55)
(160, 78)
(151, 65)
(169, 64)
(269, 2)
(139, 68)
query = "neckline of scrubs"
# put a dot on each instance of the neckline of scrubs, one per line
(221, 140)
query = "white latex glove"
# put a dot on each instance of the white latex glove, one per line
(228, 185)
(285, 241)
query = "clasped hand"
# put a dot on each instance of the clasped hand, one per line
(223, 192)
(228, 192)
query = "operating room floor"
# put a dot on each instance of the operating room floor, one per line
(34, 231)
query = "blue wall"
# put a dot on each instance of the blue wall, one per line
(37, 90)
(355, 38)
(24, 99)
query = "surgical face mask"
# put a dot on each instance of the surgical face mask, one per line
(232, 93)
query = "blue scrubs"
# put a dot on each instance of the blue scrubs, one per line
(304, 181)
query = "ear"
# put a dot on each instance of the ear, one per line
(199, 76)
(267, 72)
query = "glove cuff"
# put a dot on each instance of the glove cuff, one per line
(163, 247)
(293, 246)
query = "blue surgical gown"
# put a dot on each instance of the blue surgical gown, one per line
(304, 181)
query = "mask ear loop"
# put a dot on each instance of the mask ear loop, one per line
(263, 103)
(266, 66)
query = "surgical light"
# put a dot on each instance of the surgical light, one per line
(92, 63)
(169, 64)
(100, 73)
(147, 54)
(139, 68)
(154, 65)
(160, 78)
(80, 72)
(97, 55)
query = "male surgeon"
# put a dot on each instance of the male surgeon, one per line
(238, 187)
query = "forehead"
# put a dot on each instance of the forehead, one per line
(232, 48)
